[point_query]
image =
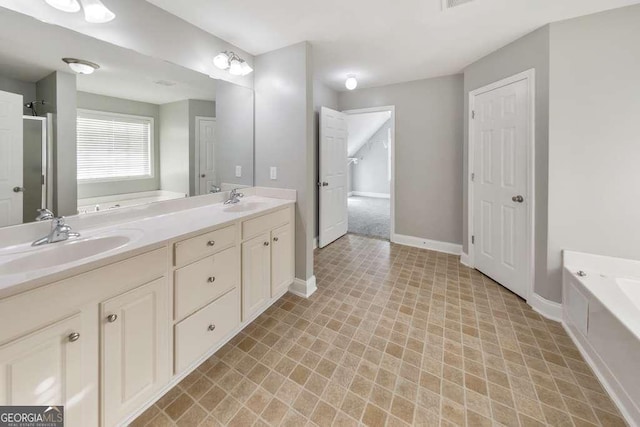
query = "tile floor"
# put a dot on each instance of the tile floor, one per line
(394, 336)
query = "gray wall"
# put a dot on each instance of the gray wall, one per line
(27, 90)
(428, 153)
(594, 157)
(203, 109)
(323, 96)
(371, 173)
(59, 90)
(91, 101)
(234, 133)
(284, 136)
(174, 147)
(530, 51)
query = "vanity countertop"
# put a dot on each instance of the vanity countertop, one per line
(129, 238)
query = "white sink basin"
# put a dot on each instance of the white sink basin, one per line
(57, 254)
(244, 207)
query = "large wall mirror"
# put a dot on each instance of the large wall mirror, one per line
(136, 130)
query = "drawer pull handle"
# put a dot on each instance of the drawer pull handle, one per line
(74, 336)
(112, 318)
(211, 279)
(211, 327)
(275, 239)
(211, 243)
(266, 243)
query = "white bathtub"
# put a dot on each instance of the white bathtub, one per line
(601, 311)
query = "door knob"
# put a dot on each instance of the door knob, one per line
(112, 318)
(19, 189)
(518, 199)
(323, 184)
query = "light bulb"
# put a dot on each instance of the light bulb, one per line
(235, 67)
(221, 61)
(96, 13)
(246, 69)
(351, 82)
(70, 6)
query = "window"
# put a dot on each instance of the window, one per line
(114, 146)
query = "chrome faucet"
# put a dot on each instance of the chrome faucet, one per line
(59, 233)
(234, 197)
(44, 215)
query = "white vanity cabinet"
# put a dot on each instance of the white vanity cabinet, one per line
(267, 260)
(134, 349)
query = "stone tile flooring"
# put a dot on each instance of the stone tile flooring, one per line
(394, 336)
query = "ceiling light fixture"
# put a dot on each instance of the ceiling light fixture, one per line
(70, 6)
(228, 60)
(81, 66)
(351, 82)
(96, 13)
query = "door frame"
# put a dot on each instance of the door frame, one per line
(44, 125)
(197, 150)
(530, 77)
(392, 150)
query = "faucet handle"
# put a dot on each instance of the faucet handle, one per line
(44, 215)
(58, 221)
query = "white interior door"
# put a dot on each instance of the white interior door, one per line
(500, 188)
(206, 142)
(10, 159)
(333, 176)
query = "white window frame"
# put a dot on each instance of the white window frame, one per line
(152, 145)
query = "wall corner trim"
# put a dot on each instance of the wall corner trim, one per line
(434, 245)
(303, 288)
(550, 309)
(464, 260)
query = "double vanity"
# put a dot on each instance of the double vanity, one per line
(107, 322)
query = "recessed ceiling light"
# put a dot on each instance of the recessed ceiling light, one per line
(81, 66)
(70, 6)
(351, 82)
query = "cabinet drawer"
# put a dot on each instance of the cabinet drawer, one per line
(205, 244)
(200, 332)
(203, 281)
(264, 223)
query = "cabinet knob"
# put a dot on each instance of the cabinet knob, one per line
(275, 239)
(112, 318)
(211, 279)
(211, 243)
(74, 336)
(266, 243)
(211, 327)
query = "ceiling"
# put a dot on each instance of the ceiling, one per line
(362, 127)
(381, 41)
(123, 73)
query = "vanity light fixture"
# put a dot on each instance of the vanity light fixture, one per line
(351, 82)
(95, 11)
(70, 6)
(229, 60)
(81, 66)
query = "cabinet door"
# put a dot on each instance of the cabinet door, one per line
(256, 274)
(135, 349)
(45, 368)
(282, 259)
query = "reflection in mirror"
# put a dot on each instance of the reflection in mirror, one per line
(136, 130)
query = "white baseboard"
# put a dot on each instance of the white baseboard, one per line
(549, 309)
(350, 194)
(304, 288)
(464, 260)
(434, 245)
(621, 399)
(367, 194)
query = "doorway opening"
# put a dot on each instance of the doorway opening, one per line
(356, 169)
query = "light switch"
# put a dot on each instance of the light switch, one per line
(274, 172)
(238, 171)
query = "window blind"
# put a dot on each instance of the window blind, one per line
(114, 146)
